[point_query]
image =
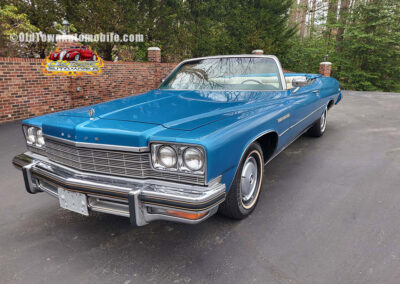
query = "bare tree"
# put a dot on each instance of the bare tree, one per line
(331, 20)
(293, 14)
(302, 16)
(343, 13)
(312, 16)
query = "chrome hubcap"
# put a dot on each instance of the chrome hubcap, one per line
(249, 179)
(323, 121)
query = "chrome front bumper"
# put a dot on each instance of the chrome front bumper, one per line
(142, 201)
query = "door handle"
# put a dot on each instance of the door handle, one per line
(316, 92)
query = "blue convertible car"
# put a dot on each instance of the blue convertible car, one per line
(194, 146)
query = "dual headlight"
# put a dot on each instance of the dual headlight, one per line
(182, 158)
(34, 136)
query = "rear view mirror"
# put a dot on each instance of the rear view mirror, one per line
(299, 82)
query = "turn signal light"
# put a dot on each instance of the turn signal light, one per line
(190, 216)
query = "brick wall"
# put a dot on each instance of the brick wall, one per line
(25, 91)
(118, 79)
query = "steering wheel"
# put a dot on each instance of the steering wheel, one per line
(251, 80)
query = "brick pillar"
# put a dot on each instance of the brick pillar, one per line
(154, 54)
(325, 68)
(258, 52)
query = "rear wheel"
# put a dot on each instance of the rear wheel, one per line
(245, 190)
(77, 57)
(318, 129)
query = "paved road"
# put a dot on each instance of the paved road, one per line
(329, 213)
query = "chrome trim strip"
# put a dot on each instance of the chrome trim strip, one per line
(300, 121)
(107, 207)
(100, 146)
(282, 118)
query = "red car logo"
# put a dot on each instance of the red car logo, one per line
(76, 53)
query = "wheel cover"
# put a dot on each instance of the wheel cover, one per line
(323, 121)
(249, 180)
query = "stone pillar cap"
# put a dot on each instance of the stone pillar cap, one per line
(154, 48)
(256, 51)
(326, 63)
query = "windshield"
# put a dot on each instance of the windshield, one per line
(227, 73)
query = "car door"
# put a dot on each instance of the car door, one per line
(303, 110)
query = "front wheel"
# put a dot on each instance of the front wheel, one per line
(245, 189)
(318, 129)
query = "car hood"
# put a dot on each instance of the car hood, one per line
(180, 110)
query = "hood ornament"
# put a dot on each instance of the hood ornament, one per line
(91, 113)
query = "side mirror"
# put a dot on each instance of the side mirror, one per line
(299, 82)
(162, 80)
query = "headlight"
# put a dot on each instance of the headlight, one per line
(167, 156)
(31, 135)
(178, 157)
(34, 136)
(193, 158)
(40, 138)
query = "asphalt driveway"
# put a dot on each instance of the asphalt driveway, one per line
(329, 213)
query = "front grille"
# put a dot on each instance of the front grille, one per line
(40, 151)
(119, 163)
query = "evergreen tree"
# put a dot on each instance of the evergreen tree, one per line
(370, 57)
(239, 26)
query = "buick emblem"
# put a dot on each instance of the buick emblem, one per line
(91, 113)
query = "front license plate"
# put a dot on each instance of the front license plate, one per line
(73, 201)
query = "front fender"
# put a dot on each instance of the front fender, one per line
(229, 174)
(230, 138)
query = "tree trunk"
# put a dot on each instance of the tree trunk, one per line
(343, 13)
(293, 14)
(303, 7)
(312, 18)
(332, 17)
